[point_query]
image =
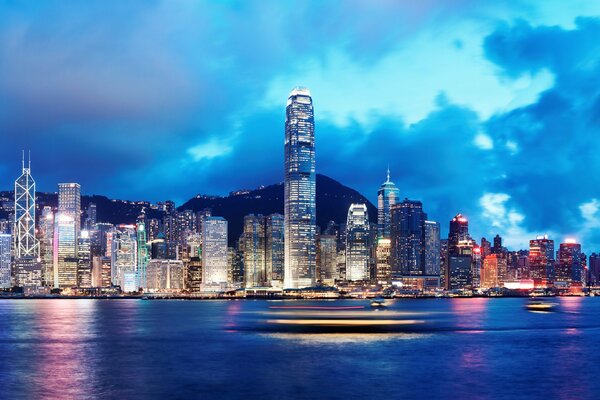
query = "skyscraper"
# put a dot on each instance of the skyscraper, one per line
(46, 236)
(357, 243)
(408, 239)
(214, 253)
(275, 248)
(387, 195)
(142, 255)
(84, 260)
(124, 258)
(432, 248)
(69, 203)
(459, 231)
(571, 261)
(254, 237)
(300, 191)
(541, 260)
(65, 251)
(25, 242)
(327, 258)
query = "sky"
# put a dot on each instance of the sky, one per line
(487, 108)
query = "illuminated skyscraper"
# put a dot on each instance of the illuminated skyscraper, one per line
(214, 253)
(65, 251)
(408, 239)
(5, 243)
(25, 242)
(432, 248)
(494, 267)
(124, 258)
(571, 262)
(254, 237)
(46, 237)
(459, 231)
(327, 258)
(357, 243)
(84, 260)
(383, 272)
(541, 260)
(142, 255)
(387, 195)
(69, 203)
(300, 191)
(275, 246)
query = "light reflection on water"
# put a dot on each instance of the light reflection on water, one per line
(472, 348)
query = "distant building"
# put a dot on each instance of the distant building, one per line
(357, 243)
(383, 269)
(101, 271)
(541, 260)
(46, 239)
(165, 276)
(25, 243)
(387, 195)
(432, 248)
(142, 254)
(327, 258)
(84, 261)
(254, 237)
(275, 244)
(69, 204)
(65, 251)
(214, 253)
(193, 275)
(300, 191)
(494, 266)
(5, 246)
(124, 257)
(571, 262)
(594, 270)
(408, 239)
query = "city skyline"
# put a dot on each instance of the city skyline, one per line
(475, 123)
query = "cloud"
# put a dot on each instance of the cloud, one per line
(483, 141)
(209, 150)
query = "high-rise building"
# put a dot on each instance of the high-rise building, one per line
(387, 195)
(124, 258)
(254, 237)
(494, 266)
(165, 276)
(408, 239)
(357, 243)
(25, 242)
(459, 274)
(432, 248)
(142, 255)
(486, 247)
(91, 216)
(101, 271)
(65, 251)
(571, 262)
(84, 260)
(5, 244)
(327, 258)
(497, 249)
(275, 243)
(459, 231)
(300, 191)
(214, 253)
(193, 274)
(383, 269)
(541, 260)
(69, 203)
(594, 270)
(46, 238)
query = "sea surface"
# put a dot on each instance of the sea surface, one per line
(129, 349)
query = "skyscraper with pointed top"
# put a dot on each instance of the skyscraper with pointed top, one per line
(387, 195)
(25, 242)
(300, 191)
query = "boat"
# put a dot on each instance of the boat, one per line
(378, 303)
(541, 306)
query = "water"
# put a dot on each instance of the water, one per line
(475, 349)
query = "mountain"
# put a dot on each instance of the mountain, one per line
(333, 201)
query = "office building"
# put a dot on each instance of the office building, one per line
(357, 243)
(387, 195)
(299, 191)
(214, 254)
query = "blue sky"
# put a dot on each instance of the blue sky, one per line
(491, 109)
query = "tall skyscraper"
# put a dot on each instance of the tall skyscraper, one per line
(69, 203)
(254, 237)
(383, 269)
(432, 248)
(459, 231)
(408, 239)
(25, 242)
(327, 258)
(5, 244)
(387, 195)
(357, 243)
(300, 191)
(142, 254)
(65, 251)
(46, 238)
(275, 248)
(84, 260)
(214, 253)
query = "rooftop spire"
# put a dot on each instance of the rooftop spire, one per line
(388, 174)
(23, 159)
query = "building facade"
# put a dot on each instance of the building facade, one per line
(357, 243)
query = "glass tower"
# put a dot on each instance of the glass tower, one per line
(387, 196)
(357, 243)
(26, 245)
(300, 191)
